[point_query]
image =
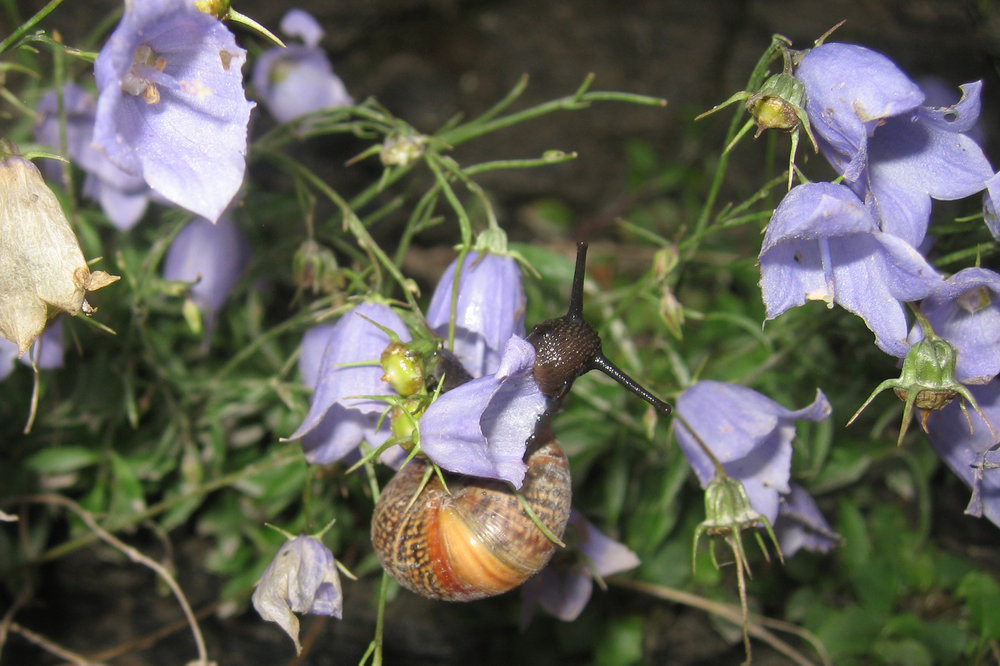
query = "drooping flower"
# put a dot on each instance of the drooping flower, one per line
(489, 309)
(973, 456)
(302, 578)
(750, 434)
(42, 269)
(481, 427)
(212, 257)
(823, 244)
(965, 311)
(298, 79)
(801, 525)
(564, 587)
(894, 153)
(339, 419)
(123, 196)
(171, 106)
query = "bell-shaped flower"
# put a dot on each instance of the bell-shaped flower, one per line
(564, 587)
(298, 79)
(342, 413)
(302, 578)
(850, 91)
(212, 257)
(42, 269)
(47, 351)
(823, 244)
(123, 196)
(893, 152)
(171, 106)
(489, 309)
(748, 433)
(801, 525)
(973, 455)
(481, 428)
(965, 311)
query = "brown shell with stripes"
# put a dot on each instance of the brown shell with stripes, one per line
(477, 541)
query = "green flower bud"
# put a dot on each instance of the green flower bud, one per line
(402, 148)
(778, 104)
(403, 369)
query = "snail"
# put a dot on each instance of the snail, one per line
(474, 540)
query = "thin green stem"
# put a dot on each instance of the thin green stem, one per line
(23, 29)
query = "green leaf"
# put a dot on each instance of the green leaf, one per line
(620, 643)
(63, 460)
(982, 596)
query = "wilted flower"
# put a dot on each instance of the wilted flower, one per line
(339, 419)
(893, 152)
(965, 311)
(489, 309)
(801, 525)
(298, 79)
(564, 587)
(481, 427)
(751, 437)
(212, 256)
(302, 578)
(171, 106)
(973, 456)
(823, 244)
(42, 269)
(123, 196)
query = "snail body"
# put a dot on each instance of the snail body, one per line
(474, 539)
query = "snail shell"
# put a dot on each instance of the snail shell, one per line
(477, 541)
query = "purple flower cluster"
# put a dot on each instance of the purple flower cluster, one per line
(859, 243)
(479, 428)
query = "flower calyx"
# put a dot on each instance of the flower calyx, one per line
(727, 513)
(926, 382)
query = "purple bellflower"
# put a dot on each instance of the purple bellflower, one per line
(991, 204)
(213, 257)
(508, 404)
(965, 311)
(298, 79)
(47, 350)
(171, 106)
(894, 153)
(748, 433)
(489, 309)
(973, 456)
(339, 419)
(302, 578)
(563, 589)
(823, 244)
(123, 196)
(801, 525)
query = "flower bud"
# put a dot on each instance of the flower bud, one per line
(42, 269)
(778, 104)
(403, 369)
(402, 149)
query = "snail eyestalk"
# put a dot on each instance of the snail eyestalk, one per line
(568, 346)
